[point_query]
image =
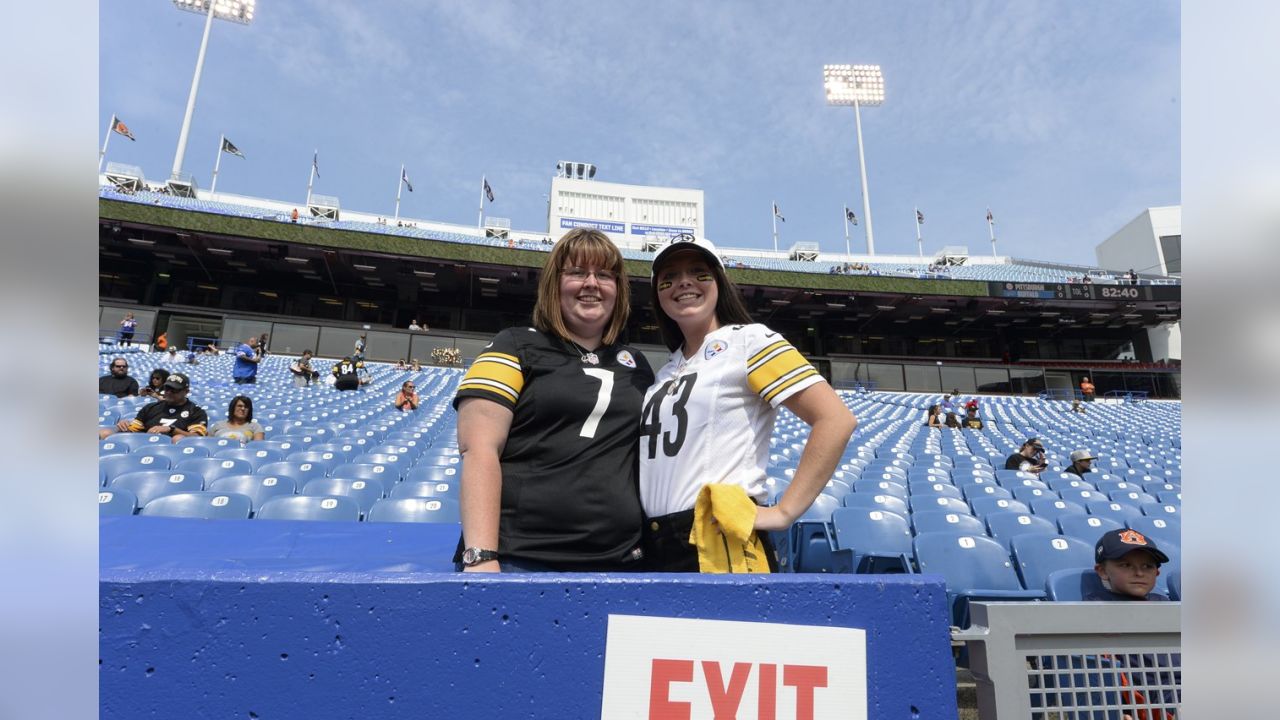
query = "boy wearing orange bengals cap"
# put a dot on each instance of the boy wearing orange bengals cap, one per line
(1128, 564)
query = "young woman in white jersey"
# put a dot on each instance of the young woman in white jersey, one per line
(710, 412)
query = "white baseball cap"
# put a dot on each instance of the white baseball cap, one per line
(686, 242)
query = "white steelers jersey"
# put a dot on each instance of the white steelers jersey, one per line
(708, 419)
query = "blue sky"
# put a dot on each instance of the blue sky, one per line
(1062, 117)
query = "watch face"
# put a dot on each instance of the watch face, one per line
(470, 556)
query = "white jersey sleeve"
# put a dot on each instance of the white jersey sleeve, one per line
(775, 369)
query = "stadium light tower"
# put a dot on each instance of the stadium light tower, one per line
(240, 11)
(859, 86)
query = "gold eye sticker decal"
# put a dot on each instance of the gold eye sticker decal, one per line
(664, 285)
(704, 277)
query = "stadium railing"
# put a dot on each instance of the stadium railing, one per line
(1075, 660)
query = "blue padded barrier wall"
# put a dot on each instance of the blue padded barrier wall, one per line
(281, 622)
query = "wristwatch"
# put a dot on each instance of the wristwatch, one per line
(474, 556)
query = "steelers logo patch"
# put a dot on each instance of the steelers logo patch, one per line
(625, 358)
(714, 348)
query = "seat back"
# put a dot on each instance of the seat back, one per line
(1119, 512)
(1005, 526)
(1037, 555)
(364, 492)
(424, 488)
(1051, 508)
(1164, 530)
(983, 506)
(301, 472)
(257, 488)
(305, 507)
(968, 562)
(922, 503)
(255, 457)
(148, 485)
(871, 535)
(416, 510)
(213, 468)
(875, 501)
(116, 502)
(112, 466)
(945, 521)
(1086, 527)
(1072, 584)
(173, 453)
(435, 474)
(203, 505)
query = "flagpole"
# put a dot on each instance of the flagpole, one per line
(399, 188)
(919, 239)
(191, 98)
(213, 187)
(311, 180)
(480, 215)
(775, 226)
(991, 228)
(848, 253)
(103, 154)
(862, 167)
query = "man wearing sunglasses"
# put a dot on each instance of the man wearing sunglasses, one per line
(118, 383)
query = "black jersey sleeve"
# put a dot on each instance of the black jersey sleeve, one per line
(496, 374)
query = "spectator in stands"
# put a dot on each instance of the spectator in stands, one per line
(303, 375)
(1087, 280)
(175, 415)
(413, 324)
(171, 357)
(1132, 276)
(971, 419)
(293, 216)
(245, 369)
(401, 364)
(155, 384)
(118, 382)
(549, 423)
(947, 405)
(934, 418)
(407, 399)
(346, 374)
(211, 349)
(128, 326)
(1029, 458)
(1087, 390)
(1128, 564)
(715, 431)
(416, 366)
(952, 421)
(1077, 406)
(1081, 462)
(162, 342)
(358, 353)
(972, 404)
(239, 424)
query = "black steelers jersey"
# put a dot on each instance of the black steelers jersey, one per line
(569, 465)
(187, 416)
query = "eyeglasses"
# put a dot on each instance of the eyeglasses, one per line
(122, 367)
(577, 274)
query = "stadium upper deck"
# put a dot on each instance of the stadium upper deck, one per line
(986, 269)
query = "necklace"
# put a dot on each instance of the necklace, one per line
(588, 357)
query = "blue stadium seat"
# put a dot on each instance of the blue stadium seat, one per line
(806, 540)
(434, 473)
(173, 453)
(256, 457)
(115, 502)
(880, 487)
(283, 447)
(1086, 527)
(1163, 530)
(304, 507)
(1119, 512)
(202, 505)
(424, 488)
(213, 468)
(301, 472)
(416, 509)
(257, 488)
(939, 502)
(1037, 556)
(1031, 494)
(925, 488)
(1084, 497)
(1005, 477)
(133, 441)
(1164, 510)
(385, 475)
(342, 451)
(212, 444)
(1069, 482)
(975, 568)
(112, 466)
(435, 456)
(326, 459)
(871, 541)
(985, 491)
(1174, 581)
(1169, 497)
(926, 521)
(875, 501)
(148, 485)
(1005, 526)
(1135, 498)
(109, 446)
(1052, 508)
(885, 476)
(364, 492)
(1072, 584)
(1113, 486)
(929, 472)
(983, 506)
(834, 487)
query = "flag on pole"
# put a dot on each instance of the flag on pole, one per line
(315, 163)
(990, 218)
(777, 213)
(848, 215)
(228, 147)
(404, 178)
(118, 126)
(919, 218)
(488, 191)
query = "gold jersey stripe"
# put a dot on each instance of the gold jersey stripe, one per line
(757, 357)
(503, 370)
(764, 374)
(490, 387)
(799, 376)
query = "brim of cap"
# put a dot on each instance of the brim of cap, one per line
(669, 250)
(1155, 553)
(171, 386)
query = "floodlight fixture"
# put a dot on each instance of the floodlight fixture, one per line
(857, 85)
(237, 11)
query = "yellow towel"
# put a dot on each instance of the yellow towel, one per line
(723, 518)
